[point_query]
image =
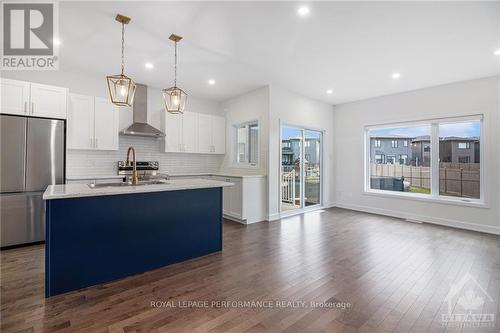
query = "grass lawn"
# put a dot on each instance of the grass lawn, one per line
(414, 189)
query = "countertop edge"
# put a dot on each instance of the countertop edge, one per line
(88, 192)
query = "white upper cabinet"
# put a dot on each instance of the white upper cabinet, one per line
(48, 101)
(204, 133)
(106, 124)
(211, 134)
(173, 129)
(92, 123)
(33, 99)
(15, 96)
(80, 122)
(219, 135)
(189, 132)
(194, 132)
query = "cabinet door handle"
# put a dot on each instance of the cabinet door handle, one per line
(32, 107)
(96, 143)
(25, 107)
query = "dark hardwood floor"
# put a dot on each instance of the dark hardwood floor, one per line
(395, 276)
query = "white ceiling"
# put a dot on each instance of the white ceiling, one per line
(349, 47)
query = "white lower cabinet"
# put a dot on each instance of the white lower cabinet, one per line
(92, 123)
(245, 202)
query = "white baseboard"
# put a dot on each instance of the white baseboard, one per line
(235, 219)
(427, 219)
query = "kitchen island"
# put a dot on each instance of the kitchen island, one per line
(95, 235)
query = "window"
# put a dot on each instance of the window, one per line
(438, 159)
(247, 143)
(377, 143)
(391, 159)
(379, 158)
(463, 159)
(460, 169)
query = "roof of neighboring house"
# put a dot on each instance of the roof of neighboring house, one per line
(390, 137)
(456, 138)
(448, 138)
(422, 138)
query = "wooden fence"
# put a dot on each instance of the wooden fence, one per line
(456, 179)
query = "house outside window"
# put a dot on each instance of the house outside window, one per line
(443, 160)
(377, 143)
(246, 143)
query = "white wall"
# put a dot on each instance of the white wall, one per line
(92, 163)
(293, 109)
(248, 107)
(458, 99)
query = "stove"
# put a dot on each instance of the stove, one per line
(144, 168)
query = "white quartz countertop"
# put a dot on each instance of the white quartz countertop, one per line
(220, 174)
(83, 190)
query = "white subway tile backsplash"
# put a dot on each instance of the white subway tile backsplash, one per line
(89, 163)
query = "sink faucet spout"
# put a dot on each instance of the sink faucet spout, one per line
(135, 179)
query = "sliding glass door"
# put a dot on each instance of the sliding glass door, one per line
(301, 155)
(312, 167)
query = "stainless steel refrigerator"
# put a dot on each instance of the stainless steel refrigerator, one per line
(32, 157)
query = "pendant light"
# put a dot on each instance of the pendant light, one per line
(121, 87)
(174, 97)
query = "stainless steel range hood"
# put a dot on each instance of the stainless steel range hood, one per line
(140, 126)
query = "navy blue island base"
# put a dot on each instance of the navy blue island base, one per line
(91, 240)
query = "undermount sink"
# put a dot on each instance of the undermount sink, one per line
(122, 184)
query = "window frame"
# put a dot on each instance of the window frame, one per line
(434, 196)
(234, 144)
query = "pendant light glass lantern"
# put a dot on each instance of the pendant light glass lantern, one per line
(121, 87)
(174, 98)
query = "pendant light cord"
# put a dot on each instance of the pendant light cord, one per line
(123, 47)
(175, 66)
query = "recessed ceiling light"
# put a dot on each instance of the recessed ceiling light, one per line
(56, 41)
(149, 65)
(211, 82)
(497, 52)
(303, 11)
(329, 91)
(396, 75)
